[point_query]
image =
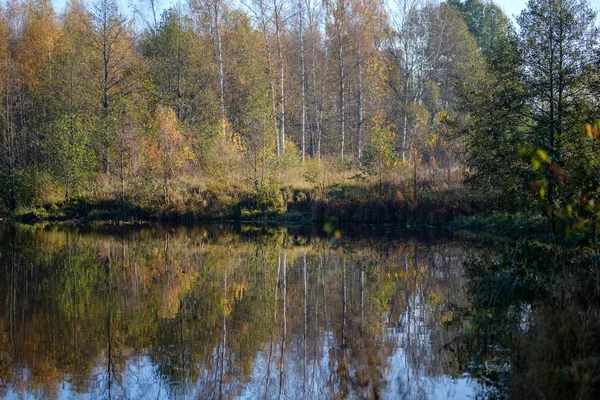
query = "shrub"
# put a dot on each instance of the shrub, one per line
(25, 187)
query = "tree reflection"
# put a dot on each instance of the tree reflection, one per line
(215, 312)
(534, 321)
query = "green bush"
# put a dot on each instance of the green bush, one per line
(22, 187)
(267, 200)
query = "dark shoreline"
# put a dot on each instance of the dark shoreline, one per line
(339, 205)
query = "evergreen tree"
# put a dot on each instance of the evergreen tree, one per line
(559, 44)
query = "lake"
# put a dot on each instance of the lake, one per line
(239, 312)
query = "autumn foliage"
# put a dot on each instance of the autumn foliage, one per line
(169, 152)
(245, 102)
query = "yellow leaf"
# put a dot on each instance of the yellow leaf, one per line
(542, 155)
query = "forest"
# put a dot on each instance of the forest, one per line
(354, 110)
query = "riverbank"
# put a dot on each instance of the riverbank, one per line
(376, 204)
(399, 204)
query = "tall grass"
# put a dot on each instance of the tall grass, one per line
(278, 188)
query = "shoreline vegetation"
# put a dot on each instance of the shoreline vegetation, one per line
(360, 204)
(339, 205)
(459, 217)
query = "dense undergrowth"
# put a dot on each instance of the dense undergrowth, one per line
(289, 191)
(357, 203)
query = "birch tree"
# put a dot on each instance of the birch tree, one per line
(278, 16)
(314, 14)
(407, 48)
(300, 12)
(337, 14)
(368, 22)
(113, 43)
(261, 12)
(211, 13)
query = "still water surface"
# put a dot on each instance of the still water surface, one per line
(230, 312)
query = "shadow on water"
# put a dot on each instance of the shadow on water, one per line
(271, 312)
(535, 321)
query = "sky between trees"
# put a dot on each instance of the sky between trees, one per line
(510, 7)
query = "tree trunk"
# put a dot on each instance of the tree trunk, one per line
(220, 62)
(277, 11)
(315, 126)
(321, 107)
(359, 104)
(263, 26)
(302, 78)
(405, 120)
(341, 91)
(106, 87)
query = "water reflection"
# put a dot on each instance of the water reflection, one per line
(534, 321)
(212, 312)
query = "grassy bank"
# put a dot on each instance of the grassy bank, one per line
(392, 203)
(387, 203)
